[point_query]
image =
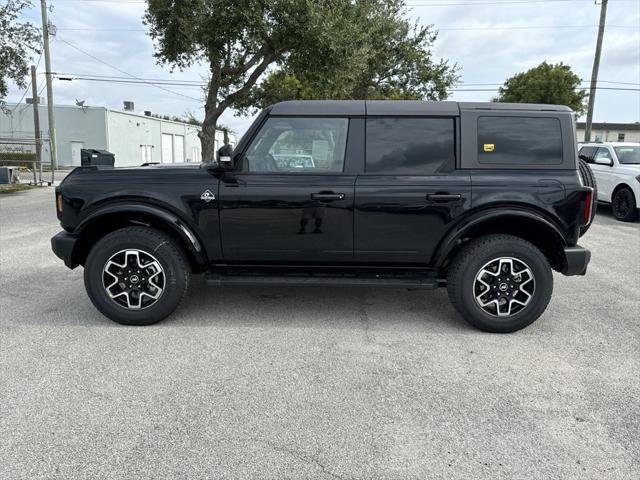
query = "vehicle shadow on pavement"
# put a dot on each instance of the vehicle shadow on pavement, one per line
(61, 301)
(316, 307)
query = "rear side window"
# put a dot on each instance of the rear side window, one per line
(519, 141)
(409, 146)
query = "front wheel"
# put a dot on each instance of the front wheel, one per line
(500, 283)
(136, 275)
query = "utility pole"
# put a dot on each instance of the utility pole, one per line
(47, 63)
(36, 122)
(594, 72)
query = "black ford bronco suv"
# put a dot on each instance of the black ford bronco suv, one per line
(483, 198)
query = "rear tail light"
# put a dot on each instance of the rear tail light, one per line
(588, 206)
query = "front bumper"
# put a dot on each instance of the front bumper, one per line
(576, 260)
(65, 246)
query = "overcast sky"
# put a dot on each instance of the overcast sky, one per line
(487, 41)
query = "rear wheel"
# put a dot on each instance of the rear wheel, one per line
(136, 276)
(588, 180)
(623, 205)
(500, 283)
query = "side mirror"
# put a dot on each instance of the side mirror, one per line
(604, 161)
(224, 156)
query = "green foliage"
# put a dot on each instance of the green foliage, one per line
(319, 48)
(546, 83)
(17, 42)
(390, 59)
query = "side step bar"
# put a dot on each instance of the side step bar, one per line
(393, 281)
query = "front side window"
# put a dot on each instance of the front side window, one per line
(298, 144)
(602, 153)
(519, 141)
(409, 146)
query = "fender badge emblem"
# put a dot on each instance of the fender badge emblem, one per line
(207, 196)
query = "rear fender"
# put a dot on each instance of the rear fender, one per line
(548, 237)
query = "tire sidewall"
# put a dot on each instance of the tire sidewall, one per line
(543, 288)
(157, 245)
(632, 205)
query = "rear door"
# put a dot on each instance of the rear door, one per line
(410, 192)
(289, 200)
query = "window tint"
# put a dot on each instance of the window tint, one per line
(519, 141)
(298, 145)
(409, 146)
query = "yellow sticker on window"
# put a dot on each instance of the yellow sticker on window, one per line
(489, 147)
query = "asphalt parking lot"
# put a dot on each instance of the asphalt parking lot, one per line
(314, 383)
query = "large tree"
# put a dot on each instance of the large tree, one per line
(18, 41)
(322, 48)
(546, 83)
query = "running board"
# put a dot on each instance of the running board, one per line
(302, 280)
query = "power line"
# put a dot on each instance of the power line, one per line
(83, 76)
(125, 72)
(157, 84)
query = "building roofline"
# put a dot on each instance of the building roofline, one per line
(614, 125)
(107, 109)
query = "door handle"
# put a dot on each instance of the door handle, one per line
(327, 196)
(443, 197)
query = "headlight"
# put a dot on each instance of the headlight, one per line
(638, 178)
(59, 202)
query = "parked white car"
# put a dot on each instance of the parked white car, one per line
(616, 167)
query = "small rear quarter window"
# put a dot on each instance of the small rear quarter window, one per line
(519, 141)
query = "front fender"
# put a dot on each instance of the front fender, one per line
(170, 219)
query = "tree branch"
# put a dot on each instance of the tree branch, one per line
(244, 67)
(268, 58)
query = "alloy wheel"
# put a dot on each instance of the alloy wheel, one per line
(504, 286)
(133, 279)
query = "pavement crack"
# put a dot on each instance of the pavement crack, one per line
(303, 457)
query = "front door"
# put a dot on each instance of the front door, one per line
(410, 192)
(289, 200)
(604, 173)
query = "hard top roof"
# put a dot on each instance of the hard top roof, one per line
(399, 107)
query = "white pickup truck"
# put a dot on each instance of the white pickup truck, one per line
(616, 167)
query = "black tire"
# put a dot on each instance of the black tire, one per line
(466, 265)
(623, 205)
(150, 244)
(589, 180)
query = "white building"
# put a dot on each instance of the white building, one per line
(610, 132)
(133, 138)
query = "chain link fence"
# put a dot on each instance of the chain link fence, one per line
(21, 153)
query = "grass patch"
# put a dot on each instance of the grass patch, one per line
(15, 187)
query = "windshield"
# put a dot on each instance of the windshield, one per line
(628, 155)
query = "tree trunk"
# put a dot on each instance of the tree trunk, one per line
(212, 111)
(207, 139)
